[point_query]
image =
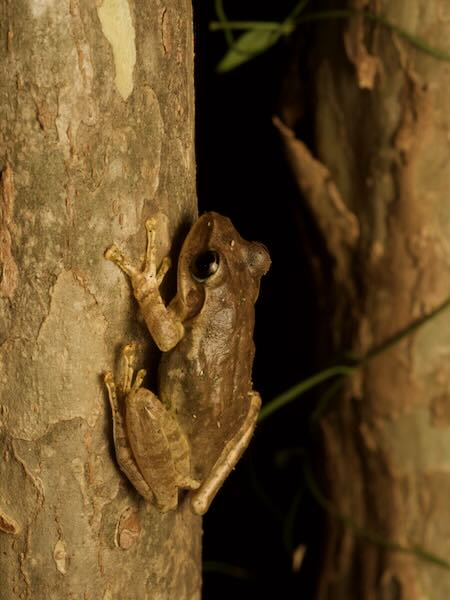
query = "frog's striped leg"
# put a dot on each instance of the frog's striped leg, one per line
(150, 447)
(232, 452)
(160, 448)
(124, 454)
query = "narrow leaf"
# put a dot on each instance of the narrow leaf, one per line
(247, 46)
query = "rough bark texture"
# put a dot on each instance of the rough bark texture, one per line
(382, 130)
(96, 133)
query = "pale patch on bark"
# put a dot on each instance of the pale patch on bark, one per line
(430, 450)
(117, 27)
(40, 7)
(74, 323)
(60, 556)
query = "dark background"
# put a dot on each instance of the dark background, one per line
(264, 510)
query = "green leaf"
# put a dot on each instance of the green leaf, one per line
(247, 46)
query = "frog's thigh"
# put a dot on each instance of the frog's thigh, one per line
(181, 452)
(232, 452)
(150, 436)
(129, 467)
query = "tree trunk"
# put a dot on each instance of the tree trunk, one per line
(96, 113)
(379, 192)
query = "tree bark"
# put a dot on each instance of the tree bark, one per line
(97, 115)
(382, 164)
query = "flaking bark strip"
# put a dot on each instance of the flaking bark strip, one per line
(366, 64)
(339, 225)
(7, 524)
(9, 273)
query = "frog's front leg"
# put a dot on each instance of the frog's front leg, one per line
(164, 325)
(230, 455)
(150, 447)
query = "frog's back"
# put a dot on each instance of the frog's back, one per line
(206, 381)
(206, 378)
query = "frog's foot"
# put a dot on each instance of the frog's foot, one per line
(124, 454)
(233, 450)
(164, 267)
(149, 277)
(188, 483)
(129, 358)
(119, 429)
(112, 391)
(150, 255)
(115, 392)
(114, 255)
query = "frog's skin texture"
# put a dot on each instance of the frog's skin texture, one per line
(193, 434)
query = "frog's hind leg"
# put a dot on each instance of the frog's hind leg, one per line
(160, 448)
(180, 452)
(124, 453)
(128, 357)
(232, 452)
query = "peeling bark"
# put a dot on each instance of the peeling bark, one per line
(386, 439)
(96, 134)
(338, 225)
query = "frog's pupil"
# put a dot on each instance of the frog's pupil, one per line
(205, 265)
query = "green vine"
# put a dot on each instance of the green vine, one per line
(338, 374)
(259, 36)
(343, 370)
(370, 536)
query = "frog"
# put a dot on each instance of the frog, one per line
(186, 439)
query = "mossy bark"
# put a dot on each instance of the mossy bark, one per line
(96, 134)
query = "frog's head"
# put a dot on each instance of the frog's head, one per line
(216, 262)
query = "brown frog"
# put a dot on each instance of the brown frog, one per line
(193, 435)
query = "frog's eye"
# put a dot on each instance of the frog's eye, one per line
(204, 265)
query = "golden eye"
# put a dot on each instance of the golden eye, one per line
(204, 265)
